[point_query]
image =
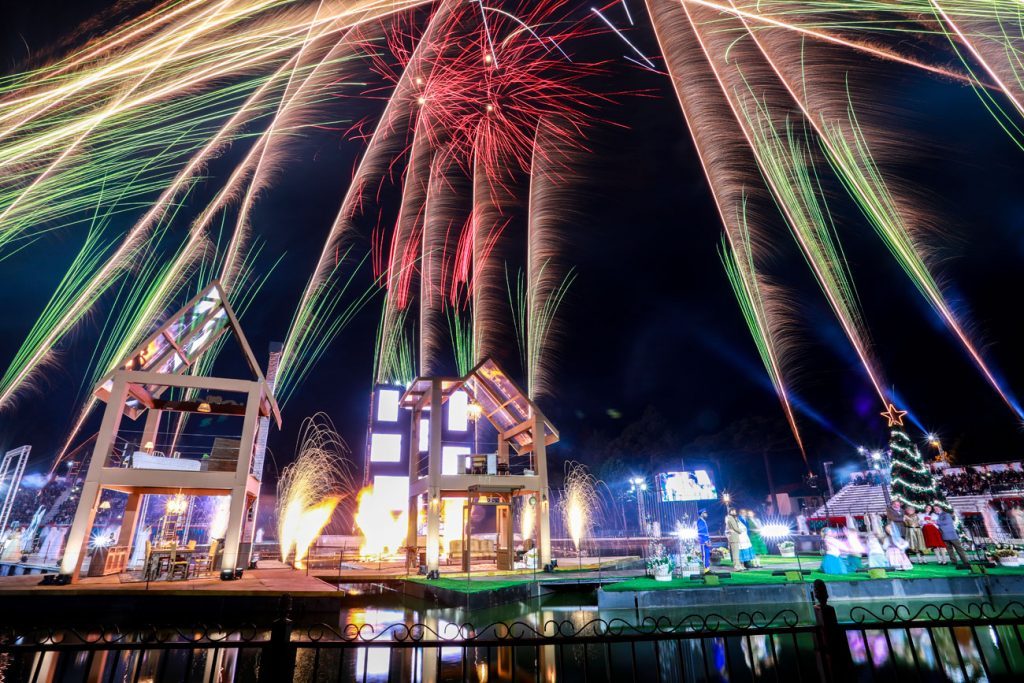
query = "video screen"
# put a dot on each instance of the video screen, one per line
(685, 486)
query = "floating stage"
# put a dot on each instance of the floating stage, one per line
(765, 588)
(615, 584)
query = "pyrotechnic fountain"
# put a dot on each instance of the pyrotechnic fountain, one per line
(451, 522)
(580, 502)
(311, 487)
(383, 527)
(219, 518)
(527, 520)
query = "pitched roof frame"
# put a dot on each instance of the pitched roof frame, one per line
(518, 429)
(176, 348)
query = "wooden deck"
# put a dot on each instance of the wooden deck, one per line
(253, 582)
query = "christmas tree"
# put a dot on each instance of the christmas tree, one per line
(912, 481)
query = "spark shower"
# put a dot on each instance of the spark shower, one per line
(483, 117)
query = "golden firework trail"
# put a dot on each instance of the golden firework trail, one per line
(70, 120)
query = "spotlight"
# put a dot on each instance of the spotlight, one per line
(204, 407)
(775, 531)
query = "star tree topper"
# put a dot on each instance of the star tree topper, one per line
(894, 416)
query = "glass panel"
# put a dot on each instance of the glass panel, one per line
(387, 405)
(458, 411)
(454, 460)
(386, 448)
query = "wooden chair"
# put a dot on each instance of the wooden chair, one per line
(205, 563)
(180, 565)
(163, 563)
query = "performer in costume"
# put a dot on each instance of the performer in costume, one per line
(704, 539)
(747, 555)
(895, 550)
(854, 549)
(912, 524)
(876, 555)
(932, 535)
(895, 516)
(754, 529)
(801, 524)
(736, 533)
(947, 527)
(833, 562)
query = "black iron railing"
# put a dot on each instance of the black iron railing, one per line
(932, 642)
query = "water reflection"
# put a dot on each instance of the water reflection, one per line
(954, 652)
(959, 653)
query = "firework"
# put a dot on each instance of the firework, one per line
(311, 487)
(725, 159)
(770, 74)
(111, 136)
(486, 109)
(481, 86)
(823, 95)
(527, 520)
(581, 504)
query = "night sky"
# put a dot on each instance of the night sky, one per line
(656, 363)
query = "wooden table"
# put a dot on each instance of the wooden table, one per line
(170, 553)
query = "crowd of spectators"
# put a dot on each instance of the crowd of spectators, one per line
(30, 499)
(869, 478)
(966, 482)
(973, 482)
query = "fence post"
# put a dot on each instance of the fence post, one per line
(831, 646)
(278, 660)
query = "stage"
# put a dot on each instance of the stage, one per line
(614, 583)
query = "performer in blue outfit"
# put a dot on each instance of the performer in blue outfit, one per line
(704, 538)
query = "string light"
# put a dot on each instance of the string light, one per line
(912, 482)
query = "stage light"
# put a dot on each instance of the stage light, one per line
(774, 531)
(204, 407)
(687, 533)
(55, 580)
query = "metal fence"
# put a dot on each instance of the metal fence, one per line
(933, 643)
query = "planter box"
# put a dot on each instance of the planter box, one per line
(787, 552)
(1009, 561)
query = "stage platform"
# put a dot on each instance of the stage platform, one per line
(617, 583)
(257, 593)
(394, 570)
(766, 588)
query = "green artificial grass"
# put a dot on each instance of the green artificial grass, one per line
(764, 577)
(463, 586)
(773, 560)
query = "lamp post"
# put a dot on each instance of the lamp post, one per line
(827, 465)
(879, 461)
(936, 443)
(638, 487)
